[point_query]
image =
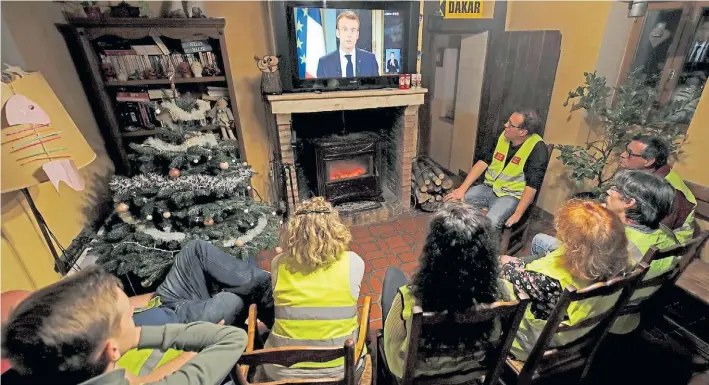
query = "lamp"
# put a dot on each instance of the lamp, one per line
(637, 8)
(26, 148)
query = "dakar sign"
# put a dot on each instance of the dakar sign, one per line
(461, 9)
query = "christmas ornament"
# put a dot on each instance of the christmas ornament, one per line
(149, 217)
(239, 243)
(209, 222)
(223, 165)
(273, 213)
(248, 187)
(196, 161)
(174, 172)
(166, 214)
(279, 250)
(122, 208)
(244, 164)
(246, 211)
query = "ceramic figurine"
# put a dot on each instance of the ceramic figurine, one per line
(211, 70)
(270, 76)
(150, 73)
(184, 70)
(197, 69)
(122, 76)
(109, 73)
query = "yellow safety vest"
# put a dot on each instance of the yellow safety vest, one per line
(396, 350)
(314, 308)
(509, 180)
(642, 242)
(529, 330)
(685, 232)
(141, 362)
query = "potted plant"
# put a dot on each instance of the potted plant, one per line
(614, 122)
(93, 11)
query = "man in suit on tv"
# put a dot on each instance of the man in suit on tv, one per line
(392, 64)
(348, 61)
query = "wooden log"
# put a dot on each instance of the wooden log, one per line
(447, 183)
(439, 198)
(421, 197)
(437, 189)
(418, 177)
(434, 166)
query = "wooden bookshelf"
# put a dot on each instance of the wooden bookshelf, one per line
(151, 82)
(103, 93)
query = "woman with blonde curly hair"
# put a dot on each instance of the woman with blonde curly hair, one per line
(316, 283)
(592, 248)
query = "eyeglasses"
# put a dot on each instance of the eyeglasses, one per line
(509, 124)
(630, 153)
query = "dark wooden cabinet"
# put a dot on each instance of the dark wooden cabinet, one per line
(103, 93)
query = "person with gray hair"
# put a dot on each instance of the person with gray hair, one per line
(650, 154)
(642, 200)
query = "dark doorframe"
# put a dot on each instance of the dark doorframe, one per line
(434, 24)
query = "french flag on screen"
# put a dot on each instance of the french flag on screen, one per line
(310, 41)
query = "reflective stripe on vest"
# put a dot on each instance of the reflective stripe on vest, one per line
(314, 307)
(684, 232)
(551, 265)
(141, 362)
(642, 241)
(509, 180)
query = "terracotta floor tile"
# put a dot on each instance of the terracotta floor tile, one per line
(376, 230)
(375, 284)
(402, 249)
(407, 257)
(395, 242)
(383, 245)
(389, 234)
(366, 247)
(375, 324)
(393, 260)
(360, 232)
(380, 263)
(378, 273)
(373, 254)
(361, 240)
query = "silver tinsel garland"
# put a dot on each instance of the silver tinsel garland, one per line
(237, 180)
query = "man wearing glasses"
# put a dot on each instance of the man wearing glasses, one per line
(513, 175)
(650, 154)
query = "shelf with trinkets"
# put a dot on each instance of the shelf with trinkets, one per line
(132, 61)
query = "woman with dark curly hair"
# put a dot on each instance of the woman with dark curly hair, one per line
(458, 270)
(593, 248)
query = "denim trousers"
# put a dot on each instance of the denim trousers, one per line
(394, 278)
(201, 269)
(543, 244)
(499, 208)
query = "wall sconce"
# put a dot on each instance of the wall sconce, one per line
(637, 8)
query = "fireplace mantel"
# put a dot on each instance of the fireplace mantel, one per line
(344, 100)
(405, 134)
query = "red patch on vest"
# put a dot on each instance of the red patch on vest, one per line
(500, 156)
(515, 159)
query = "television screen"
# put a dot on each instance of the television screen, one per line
(347, 43)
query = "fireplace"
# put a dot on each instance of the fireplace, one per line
(353, 147)
(345, 168)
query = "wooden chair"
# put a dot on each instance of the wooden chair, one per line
(695, 278)
(687, 252)
(509, 313)
(514, 238)
(288, 356)
(545, 361)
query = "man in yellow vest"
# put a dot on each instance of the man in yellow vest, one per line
(513, 175)
(649, 154)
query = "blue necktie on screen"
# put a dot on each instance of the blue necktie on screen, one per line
(349, 68)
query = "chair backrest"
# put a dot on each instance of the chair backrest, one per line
(701, 193)
(287, 356)
(581, 351)
(509, 314)
(685, 252)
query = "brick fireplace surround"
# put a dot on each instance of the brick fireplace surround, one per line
(397, 183)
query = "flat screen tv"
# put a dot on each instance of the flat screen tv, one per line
(340, 45)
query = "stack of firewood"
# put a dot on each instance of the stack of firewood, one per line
(429, 182)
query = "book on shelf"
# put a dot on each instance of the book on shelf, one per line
(128, 61)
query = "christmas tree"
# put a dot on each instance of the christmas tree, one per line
(191, 186)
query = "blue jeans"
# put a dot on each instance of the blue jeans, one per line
(499, 208)
(543, 244)
(201, 267)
